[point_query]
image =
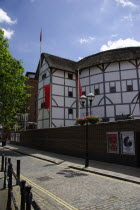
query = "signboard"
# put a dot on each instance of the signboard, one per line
(112, 140)
(127, 142)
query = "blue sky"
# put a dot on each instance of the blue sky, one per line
(72, 29)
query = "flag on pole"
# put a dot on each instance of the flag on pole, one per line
(80, 88)
(47, 96)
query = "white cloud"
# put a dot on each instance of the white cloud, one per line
(128, 18)
(8, 33)
(86, 40)
(4, 18)
(126, 3)
(79, 58)
(114, 35)
(119, 44)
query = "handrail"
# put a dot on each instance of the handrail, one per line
(25, 191)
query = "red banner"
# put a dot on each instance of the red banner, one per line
(47, 96)
(80, 88)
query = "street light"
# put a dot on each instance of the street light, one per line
(90, 97)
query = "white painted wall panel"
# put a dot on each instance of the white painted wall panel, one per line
(46, 124)
(69, 82)
(40, 115)
(110, 111)
(107, 89)
(126, 65)
(114, 97)
(128, 97)
(112, 67)
(47, 81)
(58, 123)
(57, 112)
(59, 100)
(39, 124)
(95, 70)
(58, 80)
(44, 67)
(84, 73)
(118, 87)
(58, 73)
(46, 113)
(122, 109)
(69, 101)
(112, 76)
(96, 79)
(70, 122)
(58, 90)
(98, 111)
(123, 85)
(129, 74)
(40, 93)
(136, 109)
(97, 100)
(135, 85)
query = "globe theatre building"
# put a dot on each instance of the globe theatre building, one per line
(113, 76)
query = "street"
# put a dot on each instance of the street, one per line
(58, 187)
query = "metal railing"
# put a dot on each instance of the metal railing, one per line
(26, 196)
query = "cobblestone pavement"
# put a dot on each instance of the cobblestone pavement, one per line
(57, 187)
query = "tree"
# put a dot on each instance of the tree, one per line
(13, 91)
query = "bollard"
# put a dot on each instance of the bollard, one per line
(5, 173)
(22, 192)
(18, 172)
(2, 163)
(28, 197)
(9, 207)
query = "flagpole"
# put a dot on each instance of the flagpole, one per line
(78, 94)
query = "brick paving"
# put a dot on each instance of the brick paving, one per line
(80, 189)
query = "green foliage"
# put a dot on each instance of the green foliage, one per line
(13, 91)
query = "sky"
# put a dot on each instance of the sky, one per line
(71, 29)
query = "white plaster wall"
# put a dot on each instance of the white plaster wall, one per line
(39, 124)
(110, 111)
(84, 73)
(58, 73)
(135, 85)
(58, 123)
(129, 74)
(114, 97)
(40, 114)
(69, 101)
(58, 90)
(97, 100)
(57, 112)
(58, 80)
(118, 87)
(98, 111)
(96, 79)
(95, 70)
(126, 65)
(136, 110)
(128, 96)
(40, 93)
(84, 81)
(122, 109)
(46, 113)
(70, 122)
(69, 82)
(112, 67)
(46, 124)
(59, 100)
(112, 76)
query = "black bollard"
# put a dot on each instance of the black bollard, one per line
(28, 198)
(9, 207)
(18, 172)
(5, 173)
(2, 163)
(22, 192)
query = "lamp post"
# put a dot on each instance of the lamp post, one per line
(89, 98)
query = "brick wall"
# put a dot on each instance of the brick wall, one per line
(71, 140)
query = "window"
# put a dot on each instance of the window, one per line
(70, 76)
(129, 88)
(97, 91)
(113, 89)
(70, 94)
(44, 76)
(42, 104)
(70, 111)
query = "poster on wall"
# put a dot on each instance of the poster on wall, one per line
(127, 142)
(112, 141)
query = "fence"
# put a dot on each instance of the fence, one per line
(26, 196)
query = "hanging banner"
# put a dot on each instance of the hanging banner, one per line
(47, 96)
(127, 142)
(112, 141)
